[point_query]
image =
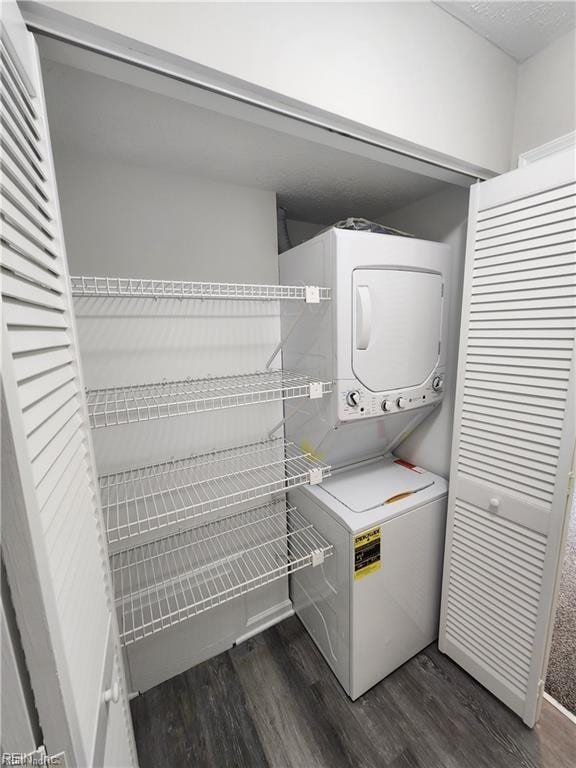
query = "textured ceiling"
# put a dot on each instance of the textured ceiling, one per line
(520, 28)
(97, 115)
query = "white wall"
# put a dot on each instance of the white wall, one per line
(127, 221)
(406, 68)
(441, 217)
(300, 231)
(546, 96)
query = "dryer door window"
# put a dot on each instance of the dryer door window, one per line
(396, 327)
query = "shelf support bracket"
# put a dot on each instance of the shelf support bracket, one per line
(317, 557)
(314, 394)
(283, 339)
(277, 426)
(315, 293)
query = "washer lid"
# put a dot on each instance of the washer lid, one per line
(379, 483)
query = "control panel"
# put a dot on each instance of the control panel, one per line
(357, 402)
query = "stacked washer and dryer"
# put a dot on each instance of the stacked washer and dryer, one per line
(382, 341)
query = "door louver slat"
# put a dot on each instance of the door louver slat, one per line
(19, 120)
(20, 188)
(18, 314)
(11, 157)
(29, 270)
(556, 263)
(533, 226)
(490, 254)
(490, 458)
(531, 214)
(26, 366)
(47, 482)
(21, 194)
(11, 76)
(21, 148)
(494, 647)
(72, 467)
(530, 202)
(521, 450)
(24, 214)
(25, 239)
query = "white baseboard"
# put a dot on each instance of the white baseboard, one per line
(559, 706)
(267, 619)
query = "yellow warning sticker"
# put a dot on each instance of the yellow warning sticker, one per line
(366, 553)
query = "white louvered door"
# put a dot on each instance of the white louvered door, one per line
(60, 517)
(514, 431)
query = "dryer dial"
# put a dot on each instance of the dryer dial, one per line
(386, 406)
(401, 402)
(353, 398)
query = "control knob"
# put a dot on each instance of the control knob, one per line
(386, 406)
(401, 402)
(437, 383)
(353, 398)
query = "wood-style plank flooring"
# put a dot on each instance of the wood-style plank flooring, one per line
(273, 702)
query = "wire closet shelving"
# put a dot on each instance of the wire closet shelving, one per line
(137, 501)
(143, 402)
(167, 563)
(115, 287)
(160, 584)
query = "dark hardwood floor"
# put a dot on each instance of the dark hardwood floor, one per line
(273, 702)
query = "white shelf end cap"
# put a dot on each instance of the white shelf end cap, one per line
(315, 476)
(312, 294)
(317, 557)
(315, 390)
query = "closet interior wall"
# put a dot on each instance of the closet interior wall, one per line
(125, 214)
(133, 221)
(442, 217)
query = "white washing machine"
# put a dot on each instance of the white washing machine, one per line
(375, 603)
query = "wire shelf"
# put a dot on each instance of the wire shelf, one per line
(180, 289)
(169, 580)
(140, 500)
(143, 402)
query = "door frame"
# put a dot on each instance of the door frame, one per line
(222, 92)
